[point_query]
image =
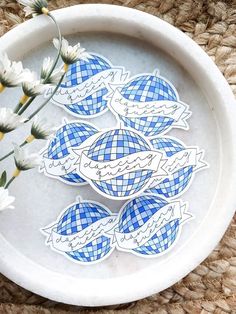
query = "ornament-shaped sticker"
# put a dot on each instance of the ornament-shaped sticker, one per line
(83, 232)
(119, 164)
(149, 104)
(149, 226)
(86, 86)
(57, 161)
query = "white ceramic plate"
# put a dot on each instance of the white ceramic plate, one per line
(140, 42)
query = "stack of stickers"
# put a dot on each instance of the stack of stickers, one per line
(134, 161)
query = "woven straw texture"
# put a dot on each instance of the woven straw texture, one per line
(211, 287)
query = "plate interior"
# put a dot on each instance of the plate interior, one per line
(39, 199)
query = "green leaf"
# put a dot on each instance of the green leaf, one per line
(3, 179)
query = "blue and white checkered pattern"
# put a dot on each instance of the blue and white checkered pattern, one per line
(178, 181)
(113, 145)
(137, 212)
(83, 70)
(80, 72)
(77, 218)
(149, 126)
(162, 240)
(69, 135)
(148, 88)
(91, 105)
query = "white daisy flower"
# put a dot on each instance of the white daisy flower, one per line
(41, 130)
(56, 75)
(9, 121)
(70, 54)
(11, 73)
(5, 199)
(24, 160)
(34, 7)
(33, 87)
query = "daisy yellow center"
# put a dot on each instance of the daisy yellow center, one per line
(45, 11)
(66, 66)
(16, 173)
(1, 136)
(24, 99)
(2, 87)
(30, 138)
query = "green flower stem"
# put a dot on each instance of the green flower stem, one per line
(21, 109)
(47, 100)
(9, 182)
(59, 50)
(17, 108)
(26, 105)
(12, 151)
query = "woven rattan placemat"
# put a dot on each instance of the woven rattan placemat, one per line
(211, 287)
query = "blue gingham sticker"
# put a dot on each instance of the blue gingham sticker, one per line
(83, 232)
(119, 164)
(87, 85)
(181, 166)
(150, 104)
(148, 226)
(57, 161)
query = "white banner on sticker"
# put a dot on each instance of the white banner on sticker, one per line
(134, 109)
(185, 158)
(71, 95)
(58, 167)
(106, 170)
(70, 243)
(137, 238)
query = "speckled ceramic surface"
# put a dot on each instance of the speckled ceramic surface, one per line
(140, 43)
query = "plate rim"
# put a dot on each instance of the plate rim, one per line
(98, 292)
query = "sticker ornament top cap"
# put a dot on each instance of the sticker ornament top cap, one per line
(150, 104)
(87, 85)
